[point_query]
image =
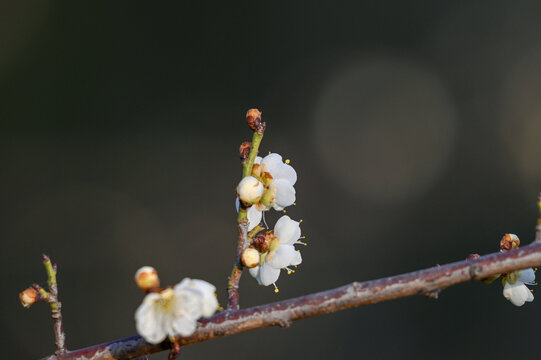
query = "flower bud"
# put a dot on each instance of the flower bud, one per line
(509, 242)
(250, 190)
(244, 150)
(29, 297)
(250, 257)
(262, 241)
(253, 118)
(257, 170)
(147, 278)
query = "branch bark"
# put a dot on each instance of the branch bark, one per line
(56, 305)
(230, 322)
(236, 273)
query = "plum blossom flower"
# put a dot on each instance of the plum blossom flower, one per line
(175, 310)
(278, 178)
(281, 253)
(250, 190)
(514, 286)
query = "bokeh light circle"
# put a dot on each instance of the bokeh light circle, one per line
(384, 128)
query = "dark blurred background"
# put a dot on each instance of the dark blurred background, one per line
(414, 128)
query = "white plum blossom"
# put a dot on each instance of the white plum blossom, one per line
(515, 289)
(279, 178)
(175, 310)
(281, 254)
(250, 190)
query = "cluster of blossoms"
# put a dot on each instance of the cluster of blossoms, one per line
(270, 186)
(166, 313)
(273, 251)
(514, 283)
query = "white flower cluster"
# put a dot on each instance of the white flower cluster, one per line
(270, 186)
(281, 253)
(175, 310)
(515, 289)
(514, 283)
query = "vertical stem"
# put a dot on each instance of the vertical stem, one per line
(249, 164)
(242, 243)
(236, 273)
(56, 306)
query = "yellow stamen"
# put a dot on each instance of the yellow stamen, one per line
(287, 161)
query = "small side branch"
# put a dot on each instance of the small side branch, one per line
(230, 322)
(36, 293)
(236, 273)
(253, 118)
(56, 305)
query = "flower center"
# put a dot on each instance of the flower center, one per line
(273, 246)
(511, 278)
(166, 299)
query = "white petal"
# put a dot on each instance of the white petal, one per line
(297, 259)
(183, 326)
(258, 160)
(287, 230)
(285, 172)
(209, 305)
(187, 304)
(148, 322)
(268, 274)
(237, 204)
(205, 287)
(526, 276)
(255, 273)
(183, 284)
(517, 293)
(206, 291)
(283, 256)
(254, 217)
(285, 194)
(272, 162)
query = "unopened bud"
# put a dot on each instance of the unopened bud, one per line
(29, 297)
(250, 257)
(262, 241)
(509, 242)
(250, 190)
(244, 150)
(147, 278)
(257, 170)
(253, 118)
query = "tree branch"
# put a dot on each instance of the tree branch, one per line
(236, 273)
(253, 118)
(230, 322)
(56, 306)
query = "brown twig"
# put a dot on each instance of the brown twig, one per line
(230, 322)
(56, 305)
(236, 273)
